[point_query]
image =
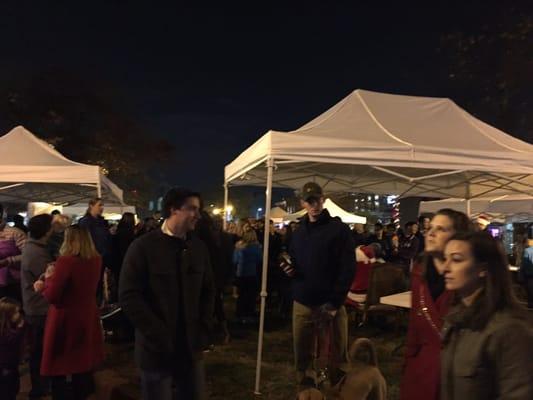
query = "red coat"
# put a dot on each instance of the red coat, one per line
(73, 341)
(421, 376)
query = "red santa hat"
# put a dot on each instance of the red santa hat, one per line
(365, 254)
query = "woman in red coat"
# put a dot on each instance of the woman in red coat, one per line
(429, 304)
(73, 341)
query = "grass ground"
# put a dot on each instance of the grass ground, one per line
(231, 368)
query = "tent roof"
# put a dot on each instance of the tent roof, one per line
(508, 205)
(32, 170)
(385, 143)
(334, 210)
(277, 212)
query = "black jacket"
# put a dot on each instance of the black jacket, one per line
(154, 300)
(99, 231)
(323, 255)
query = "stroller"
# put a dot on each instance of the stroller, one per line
(116, 327)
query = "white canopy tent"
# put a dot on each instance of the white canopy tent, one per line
(507, 204)
(334, 210)
(383, 143)
(32, 170)
(110, 211)
(277, 214)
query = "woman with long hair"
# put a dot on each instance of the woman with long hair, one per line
(487, 336)
(73, 340)
(429, 304)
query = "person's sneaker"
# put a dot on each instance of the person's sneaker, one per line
(209, 348)
(109, 310)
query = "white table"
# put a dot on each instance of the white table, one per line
(402, 300)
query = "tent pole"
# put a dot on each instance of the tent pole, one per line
(468, 201)
(224, 220)
(268, 202)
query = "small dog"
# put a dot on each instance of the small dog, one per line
(363, 381)
(310, 394)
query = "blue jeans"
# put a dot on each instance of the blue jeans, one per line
(188, 383)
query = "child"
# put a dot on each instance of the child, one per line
(11, 341)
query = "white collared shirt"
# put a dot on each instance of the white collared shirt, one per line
(165, 229)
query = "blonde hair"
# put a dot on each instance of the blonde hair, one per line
(61, 222)
(78, 242)
(249, 237)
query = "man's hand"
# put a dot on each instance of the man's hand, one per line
(286, 265)
(328, 310)
(38, 286)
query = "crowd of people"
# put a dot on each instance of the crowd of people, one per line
(52, 287)
(467, 335)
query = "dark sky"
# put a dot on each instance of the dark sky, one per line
(214, 79)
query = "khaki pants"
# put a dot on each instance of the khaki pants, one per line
(303, 329)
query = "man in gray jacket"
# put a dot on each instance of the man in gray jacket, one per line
(35, 258)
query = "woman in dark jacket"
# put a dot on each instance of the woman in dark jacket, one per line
(73, 341)
(429, 304)
(487, 336)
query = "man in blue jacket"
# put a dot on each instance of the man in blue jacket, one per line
(97, 226)
(323, 257)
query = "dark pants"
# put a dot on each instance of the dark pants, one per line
(528, 283)
(72, 387)
(247, 286)
(39, 384)
(9, 383)
(220, 315)
(186, 384)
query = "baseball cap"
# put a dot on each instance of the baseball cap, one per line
(311, 190)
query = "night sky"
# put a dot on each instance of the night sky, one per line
(213, 80)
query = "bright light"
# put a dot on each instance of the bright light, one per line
(259, 209)
(212, 205)
(376, 197)
(391, 199)
(229, 208)
(216, 211)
